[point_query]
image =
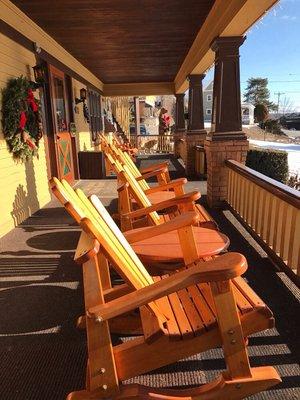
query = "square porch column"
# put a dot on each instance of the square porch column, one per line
(226, 139)
(179, 124)
(196, 133)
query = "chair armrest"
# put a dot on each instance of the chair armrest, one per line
(185, 198)
(150, 174)
(222, 268)
(86, 249)
(153, 167)
(169, 185)
(187, 219)
(123, 186)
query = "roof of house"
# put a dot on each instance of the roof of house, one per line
(209, 87)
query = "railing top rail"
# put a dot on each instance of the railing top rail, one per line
(166, 136)
(280, 190)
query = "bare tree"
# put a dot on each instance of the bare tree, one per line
(287, 106)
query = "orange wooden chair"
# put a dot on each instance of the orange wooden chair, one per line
(166, 188)
(132, 195)
(159, 170)
(159, 246)
(203, 306)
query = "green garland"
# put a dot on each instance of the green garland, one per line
(22, 140)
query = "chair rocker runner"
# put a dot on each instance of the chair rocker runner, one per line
(174, 326)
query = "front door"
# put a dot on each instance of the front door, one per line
(61, 121)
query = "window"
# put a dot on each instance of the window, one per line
(208, 111)
(95, 113)
(209, 97)
(59, 104)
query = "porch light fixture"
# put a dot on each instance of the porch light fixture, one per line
(39, 76)
(82, 96)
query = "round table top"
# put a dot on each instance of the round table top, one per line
(166, 247)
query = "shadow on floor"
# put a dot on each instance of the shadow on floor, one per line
(43, 355)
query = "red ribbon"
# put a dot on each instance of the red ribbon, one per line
(30, 144)
(31, 101)
(23, 120)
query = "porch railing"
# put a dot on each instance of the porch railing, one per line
(151, 144)
(271, 211)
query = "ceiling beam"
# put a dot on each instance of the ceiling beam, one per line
(138, 89)
(226, 18)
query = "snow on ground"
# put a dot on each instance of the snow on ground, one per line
(293, 151)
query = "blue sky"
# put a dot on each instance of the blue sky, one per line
(272, 50)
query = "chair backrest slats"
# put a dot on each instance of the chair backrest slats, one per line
(120, 253)
(127, 160)
(136, 190)
(139, 195)
(103, 228)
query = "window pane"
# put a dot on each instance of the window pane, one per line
(59, 104)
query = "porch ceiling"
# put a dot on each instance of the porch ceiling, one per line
(143, 47)
(123, 41)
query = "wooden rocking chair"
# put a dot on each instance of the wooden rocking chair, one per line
(208, 242)
(204, 306)
(160, 170)
(131, 195)
(165, 189)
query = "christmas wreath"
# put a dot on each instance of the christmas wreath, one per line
(21, 118)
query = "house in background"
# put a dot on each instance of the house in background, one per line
(247, 108)
(247, 114)
(208, 101)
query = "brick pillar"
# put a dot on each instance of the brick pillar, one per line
(179, 124)
(226, 139)
(196, 133)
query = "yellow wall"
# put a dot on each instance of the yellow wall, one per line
(84, 142)
(23, 187)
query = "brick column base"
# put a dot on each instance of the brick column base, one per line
(192, 140)
(179, 137)
(217, 152)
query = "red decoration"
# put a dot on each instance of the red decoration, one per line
(23, 120)
(28, 140)
(31, 101)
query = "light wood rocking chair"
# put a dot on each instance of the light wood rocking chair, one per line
(190, 311)
(208, 242)
(160, 170)
(131, 194)
(165, 189)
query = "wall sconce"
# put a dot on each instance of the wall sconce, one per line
(39, 71)
(82, 99)
(82, 96)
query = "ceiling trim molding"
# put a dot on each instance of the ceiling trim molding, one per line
(226, 18)
(138, 89)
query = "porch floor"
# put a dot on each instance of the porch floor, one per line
(43, 355)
